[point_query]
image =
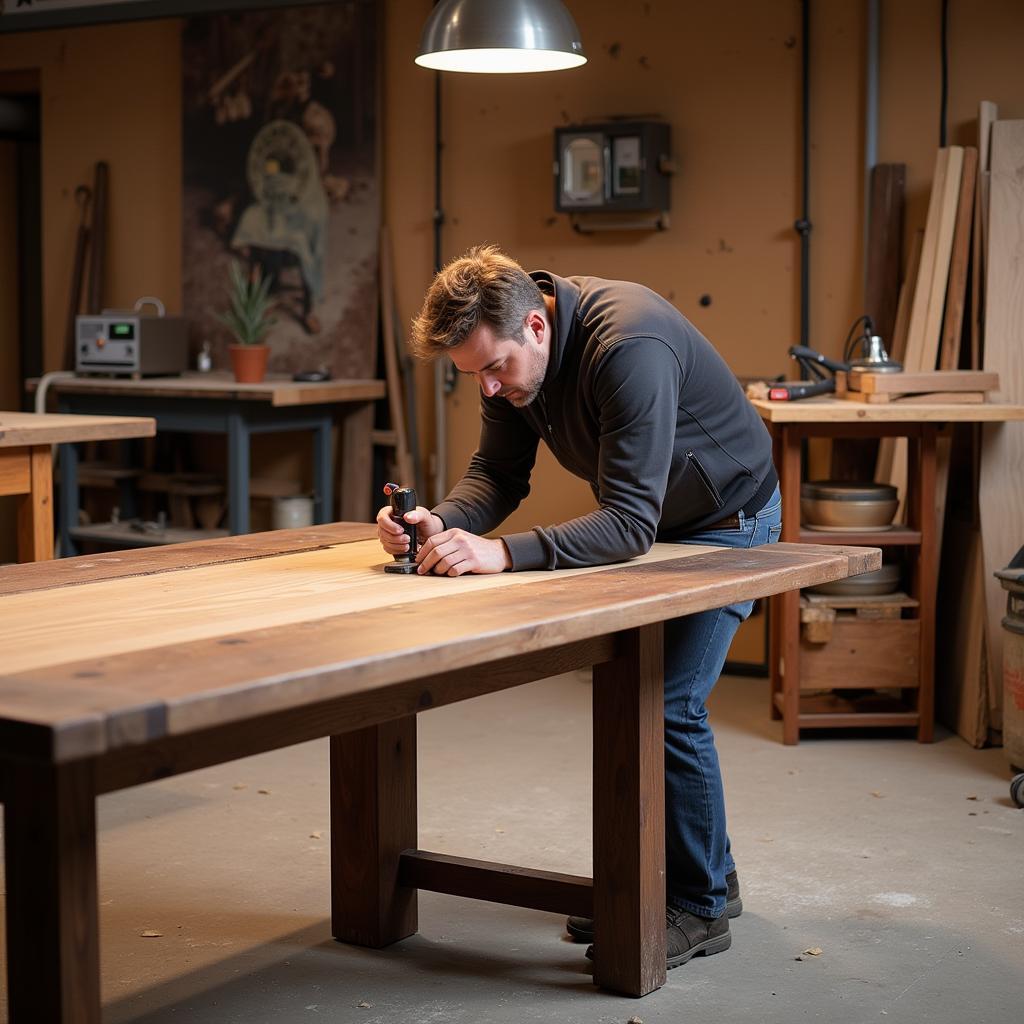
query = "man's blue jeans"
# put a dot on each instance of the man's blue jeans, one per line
(698, 855)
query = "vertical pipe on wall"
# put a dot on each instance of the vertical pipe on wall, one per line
(803, 225)
(870, 118)
(440, 467)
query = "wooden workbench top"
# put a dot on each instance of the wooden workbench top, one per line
(21, 429)
(146, 645)
(838, 410)
(276, 389)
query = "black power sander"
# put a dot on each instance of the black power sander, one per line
(403, 499)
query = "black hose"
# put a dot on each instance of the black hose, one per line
(438, 146)
(803, 225)
(944, 91)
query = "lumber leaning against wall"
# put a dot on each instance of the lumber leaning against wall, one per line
(1001, 487)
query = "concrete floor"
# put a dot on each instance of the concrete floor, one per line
(901, 862)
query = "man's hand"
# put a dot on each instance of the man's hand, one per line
(454, 552)
(393, 538)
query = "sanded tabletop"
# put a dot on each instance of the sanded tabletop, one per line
(131, 656)
(839, 410)
(21, 429)
(276, 389)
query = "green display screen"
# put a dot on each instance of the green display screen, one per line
(122, 331)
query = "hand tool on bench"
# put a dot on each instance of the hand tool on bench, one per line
(403, 499)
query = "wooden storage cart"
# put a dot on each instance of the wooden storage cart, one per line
(790, 424)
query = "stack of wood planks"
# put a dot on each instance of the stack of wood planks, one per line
(959, 331)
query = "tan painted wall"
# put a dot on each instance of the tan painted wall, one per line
(10, 394)
(125, 111)
(726, 76)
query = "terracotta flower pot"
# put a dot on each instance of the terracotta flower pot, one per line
(249, 362)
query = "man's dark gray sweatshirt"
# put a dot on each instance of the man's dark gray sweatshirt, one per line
(637, 402)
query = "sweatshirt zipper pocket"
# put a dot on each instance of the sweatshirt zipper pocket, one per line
(702, 473)
(544, 414)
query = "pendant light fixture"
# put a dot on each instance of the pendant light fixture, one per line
(500, 37)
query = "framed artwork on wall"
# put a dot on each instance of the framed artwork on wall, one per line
(281, 165)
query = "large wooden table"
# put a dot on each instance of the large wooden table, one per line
(791, 423)
(216, 403)
(26, 468)
(124, 668)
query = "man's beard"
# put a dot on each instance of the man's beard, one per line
(520, 397)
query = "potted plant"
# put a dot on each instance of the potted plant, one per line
(249, 320)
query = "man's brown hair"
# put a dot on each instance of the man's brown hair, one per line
(483, 287)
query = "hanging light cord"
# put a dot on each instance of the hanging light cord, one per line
(944, 91)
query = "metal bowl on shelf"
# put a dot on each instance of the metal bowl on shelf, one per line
(838, 505)
(868, 584)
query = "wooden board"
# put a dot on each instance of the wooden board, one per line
(837, 410)
(863, 654)
(933, 380)
(92, 667)
(924, 331)
(930, 289)
(15, 471)
(898, 347)
(961, 680)
(276, 389)
(110, 565)
(956, 291)
(897, 599)
(18, 429)
(987, 114)
(887, 445)
(1001, 485)
(928, 397)
(233, 598)
(885, 234)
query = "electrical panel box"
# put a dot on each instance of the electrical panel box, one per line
(619, 166)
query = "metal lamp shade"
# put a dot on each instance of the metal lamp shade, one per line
(500, 37)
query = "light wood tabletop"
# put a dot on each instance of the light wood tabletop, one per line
(121, 669)
(20, 429)
(26, 466)
(276, 389)
(838, 410)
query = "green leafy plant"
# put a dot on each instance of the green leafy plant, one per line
(248, 318)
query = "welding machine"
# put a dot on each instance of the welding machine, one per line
(130, 343)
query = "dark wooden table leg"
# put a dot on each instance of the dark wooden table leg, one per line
(629, 815)
(357, 464)
(922, 515)
(373, 819)
(788, 604)
(53, 960)
(775, 604)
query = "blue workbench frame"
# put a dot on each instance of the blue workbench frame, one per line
(238, 419)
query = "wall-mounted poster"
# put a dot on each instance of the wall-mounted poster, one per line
(281, 176)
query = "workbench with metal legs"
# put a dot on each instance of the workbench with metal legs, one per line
(919, 538)
(239, 421)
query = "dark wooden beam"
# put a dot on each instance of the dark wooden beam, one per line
(98, 13)
(498, 883)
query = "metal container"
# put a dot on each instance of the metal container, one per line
(866, 584)
(292, 512)
(1012, 579)
(840, 505)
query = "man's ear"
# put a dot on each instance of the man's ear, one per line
(535, 325)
